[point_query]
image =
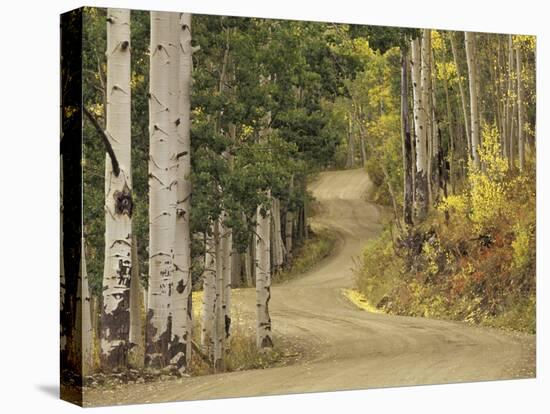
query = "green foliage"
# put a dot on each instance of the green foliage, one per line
(379, 270)
(316, 248)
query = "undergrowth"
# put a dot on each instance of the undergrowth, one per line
(305, 257)
(472, 259)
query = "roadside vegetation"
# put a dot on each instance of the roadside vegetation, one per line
(472, 259)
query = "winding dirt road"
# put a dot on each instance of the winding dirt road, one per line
(348, 348)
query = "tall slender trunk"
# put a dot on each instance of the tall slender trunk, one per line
(115, 316)
(462, 94)
(227, 270)
(263, 278)
(182, 315)
(508, 102)
(512, 149)
(436, 155)
(136, 299)
(208, 310)
(521, 142)
(63, 326)
(276, 236)
(426, 88)
(351, 146)
(406, 140)
(469, 43)
(85, 315)
(451, 155)
(161, 191)
(421, 190)
(218, 331)
(289, 221)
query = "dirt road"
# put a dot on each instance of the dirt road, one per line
(350, 348)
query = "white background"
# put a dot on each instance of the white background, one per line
(29, 134)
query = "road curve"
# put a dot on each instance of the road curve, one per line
(348, 348)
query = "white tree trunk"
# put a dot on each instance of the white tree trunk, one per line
(521, 139)
(208, 310)
(180, 347)
(278, 247)
(420, 120)
(136, 300)
(227, 270)
(469, 42)
(263, 278)
(426, 93)
(219, 321)
(86, 315)
(462, 95)
(161, 191)
(115, 319)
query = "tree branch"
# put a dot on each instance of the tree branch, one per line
(105, 138)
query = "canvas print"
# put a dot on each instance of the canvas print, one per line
(252, 206)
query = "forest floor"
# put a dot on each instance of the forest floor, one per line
(346, 347)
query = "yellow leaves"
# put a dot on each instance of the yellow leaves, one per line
(525, 42)
(490, 153)
(446, 70)
(455, 203)
(137, 79)
(521, 247)
(69, 111)
(488, 187)
(437, 41)
(96, 109)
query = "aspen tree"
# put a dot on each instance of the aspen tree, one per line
(406, 143)
(469, 42)
(263, 278)
(208, 310)
(161, 183)
(85, 315)
(136, 300)
(521, 142)
(115, 315)
(462, 94)
(276, 236)
(182, 320)
(419, 112)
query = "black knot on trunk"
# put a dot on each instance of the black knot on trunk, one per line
(124, 45)
(123, 202)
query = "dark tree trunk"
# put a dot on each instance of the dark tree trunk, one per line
(408, 188)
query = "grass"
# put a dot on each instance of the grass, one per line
(242, 352)
(360, 300)
(315, 249)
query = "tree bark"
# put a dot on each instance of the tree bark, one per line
(161, 183)
(351, 147)
(469, 42)
(208, 311)
(136, 298)
(425, 91)
(521, 142)
(218, 331)
(227, 270)
(276, 236)
(115, 317)
(182, 315)
(436, 155)
(407, 146)
(86, 315)
(263, 277)
(462, 95)
(421, 179)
